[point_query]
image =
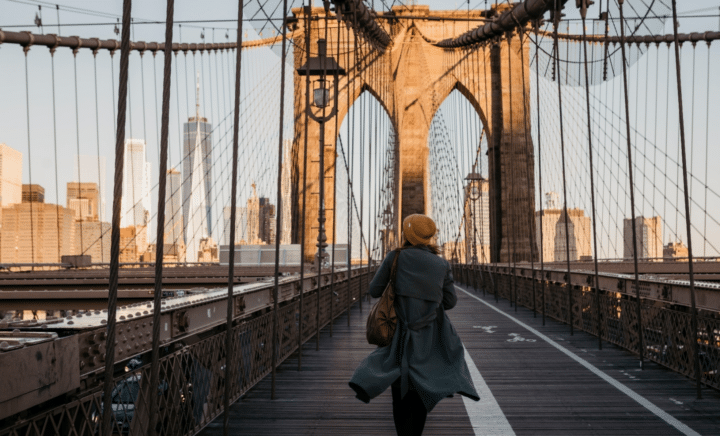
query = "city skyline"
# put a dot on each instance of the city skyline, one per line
(83, 204)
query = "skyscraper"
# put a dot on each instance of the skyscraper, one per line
(83, 198)
(260, 219)
(33, 193)
(93, 238)
(36, 232)
(91, 169)
(197, 131)
(477, 218)
(135, 209)
(173, 208)
(648, 237)
(579, 236)
(10, 176)
(174, 243)
(195, 198)
(552, 222)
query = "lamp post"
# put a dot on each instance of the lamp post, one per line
(474, 193)
(385, 231)
(322, 67)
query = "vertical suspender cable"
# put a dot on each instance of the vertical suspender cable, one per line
(490, 128)
(101, 181)
(334, 205)
(361, 172)
(513, 182)
(142, 89)
(495, 177)
(30, 200)
(632, 188)
(81, 249)
(351, 159)
(278, 218)
(308, 11)
(536, 26)
(233, 217)
(160, 240)
(583, 12)
(707, 147)
(373, 142)
(154, 53)
(181, 151)
(657, 86)
(349, 208)
(528, 175)
(115, 235)
(667, 122)
(57, 193)
(693, 319)
(568, 281)
(692, 115)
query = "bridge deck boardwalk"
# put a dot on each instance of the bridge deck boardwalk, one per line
(540, 389)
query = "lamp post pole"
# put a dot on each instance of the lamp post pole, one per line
(321, 66)
(322, 237)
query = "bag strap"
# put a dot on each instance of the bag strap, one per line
(393, 269)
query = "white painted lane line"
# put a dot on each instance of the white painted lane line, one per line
(485, 415)
(682, 428)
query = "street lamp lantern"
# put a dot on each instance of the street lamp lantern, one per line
(474, 180)
(322, 66)
(321, 94)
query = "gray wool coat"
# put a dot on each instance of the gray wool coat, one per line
(426, 352)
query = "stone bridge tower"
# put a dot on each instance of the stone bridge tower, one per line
(411, 79)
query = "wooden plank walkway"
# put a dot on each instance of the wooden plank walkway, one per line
(541, 389)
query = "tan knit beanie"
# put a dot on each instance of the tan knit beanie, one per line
(419, 229)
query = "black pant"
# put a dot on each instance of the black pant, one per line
(409, 413)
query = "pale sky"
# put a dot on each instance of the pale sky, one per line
(262, 65)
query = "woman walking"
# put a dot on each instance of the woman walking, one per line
(426, 360)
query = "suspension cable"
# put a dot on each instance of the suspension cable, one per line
(160, 240)
(308, 10)
(115, 236)
(80, 195)
(632, 190)
(693, 319)
(30, 188)
(591, 169)
(57, 193)
(568, 282)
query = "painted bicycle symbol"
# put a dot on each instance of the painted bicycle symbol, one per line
(517, 338)
(486, 328)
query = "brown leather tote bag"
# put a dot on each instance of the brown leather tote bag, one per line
(382, 319)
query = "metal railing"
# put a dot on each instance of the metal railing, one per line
(192, 364)
(612, 315)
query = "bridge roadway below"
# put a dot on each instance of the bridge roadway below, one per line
(533, 380)
(87, 288)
